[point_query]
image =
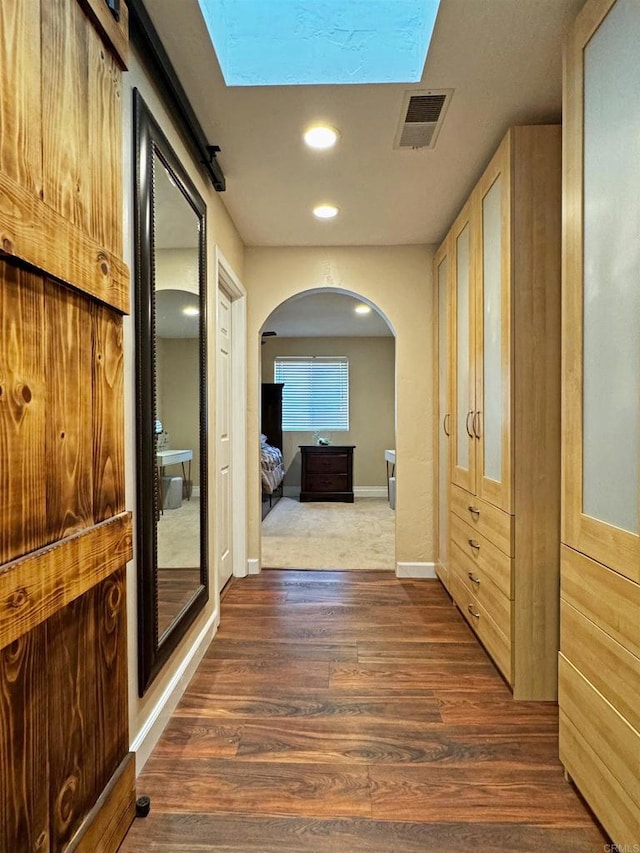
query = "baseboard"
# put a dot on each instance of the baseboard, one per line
(253, 566)
(370, 491)
(416, 570)
(149, 734)
(291, 491)
(195, 492)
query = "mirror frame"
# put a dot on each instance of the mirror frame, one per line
(153, 651)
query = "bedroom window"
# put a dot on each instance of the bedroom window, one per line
(316, 392)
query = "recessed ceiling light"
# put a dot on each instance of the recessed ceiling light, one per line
(362, 309)
(321, 137)
(191, 311)
(325, 211)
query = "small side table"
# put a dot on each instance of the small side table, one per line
(327, 473)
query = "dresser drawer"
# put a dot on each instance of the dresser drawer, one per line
(606, 664)
(483, 554)
(484, 591)
(326, 482)
(328, 463)
(488, 520)
(493, 639)
(609, 735)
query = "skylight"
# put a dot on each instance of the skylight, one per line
(294, 42)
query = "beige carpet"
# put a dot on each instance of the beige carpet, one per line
(179, 536)
(329, 535)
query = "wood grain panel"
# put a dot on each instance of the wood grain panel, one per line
(72, 714)
(107, 822)
(482, 589)
(617, 812)
(488, 630)
(537, 200)
(24, 768)
(108, 414)
(35, 233)
(103, 151)
(65, 130)
(33, 588)
(608, 666)
(110, 669)
(603, 596)
(606, 731)
(20, 123)
(487, 519)
(69, 404)
(22, 413)
(493, 562)
(114, 33)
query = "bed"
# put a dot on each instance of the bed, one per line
(272, 469)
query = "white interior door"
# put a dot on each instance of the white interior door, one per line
(224, 538)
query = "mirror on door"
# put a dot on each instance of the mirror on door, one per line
(171, 396)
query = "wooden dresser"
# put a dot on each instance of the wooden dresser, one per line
(599, 694)
(327, 473)
(500, 409)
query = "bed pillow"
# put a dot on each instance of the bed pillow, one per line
(263, 439)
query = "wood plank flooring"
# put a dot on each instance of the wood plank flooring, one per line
(352, 711)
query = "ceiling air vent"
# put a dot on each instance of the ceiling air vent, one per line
(421, 118)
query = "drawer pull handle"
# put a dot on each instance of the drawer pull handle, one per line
(474, 544)
(473, 579)
(473, 612)
(469, 433)
(474, 510)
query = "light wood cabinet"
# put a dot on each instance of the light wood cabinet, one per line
(600, 569)
(505, 396)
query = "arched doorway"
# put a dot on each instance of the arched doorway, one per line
(335, 353)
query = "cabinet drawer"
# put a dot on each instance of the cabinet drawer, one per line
(488, 520)
(327, 463)
(603, 596)
(606, 731)
(607, 665)
(493, 639)
(480, 585)
(326, 483)
(483, 554)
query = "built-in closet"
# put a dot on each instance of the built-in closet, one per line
(498, 280)
(600, 566)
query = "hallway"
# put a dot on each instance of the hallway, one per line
(354, 712)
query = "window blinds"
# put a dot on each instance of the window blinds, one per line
(315, 396)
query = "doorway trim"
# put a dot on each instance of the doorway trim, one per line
(229, 283)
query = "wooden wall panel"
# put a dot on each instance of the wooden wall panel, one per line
(22, 413)
(35, 587)
(103, 151)
(72, 718)
(24, 770)
(69, 405)
(20, 124)
(108, 414)
(112, 717)
(65, 113)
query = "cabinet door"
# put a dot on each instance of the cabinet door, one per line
(462, 350)
(601, 335)
(492, 419)
(442, 266)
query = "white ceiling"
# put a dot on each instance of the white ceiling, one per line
(503, 59)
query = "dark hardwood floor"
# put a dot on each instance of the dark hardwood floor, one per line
(352, 711)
